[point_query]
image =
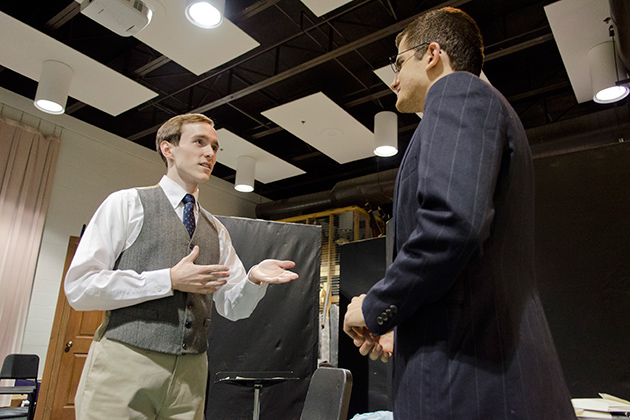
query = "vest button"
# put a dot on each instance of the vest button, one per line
(188, 324)
(190, 305)
(184, 346)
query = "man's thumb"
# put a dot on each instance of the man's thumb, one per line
(193, 253)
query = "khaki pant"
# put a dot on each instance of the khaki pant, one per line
(124, 382)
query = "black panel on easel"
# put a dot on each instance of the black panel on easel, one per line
(363, 263)
(281, 334)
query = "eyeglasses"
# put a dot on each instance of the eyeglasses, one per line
(397, 65)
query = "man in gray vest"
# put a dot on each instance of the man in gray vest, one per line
(158, 278)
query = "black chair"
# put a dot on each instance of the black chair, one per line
(328, 395)
(20, 366)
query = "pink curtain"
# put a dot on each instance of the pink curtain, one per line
(27, 166)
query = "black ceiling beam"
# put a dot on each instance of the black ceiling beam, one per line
(252, 10)
(74, 9)
(385, 92)
(64, 16)
(368, 98)
(390, 30)
(257, 53)
(536, 92)
(151, 65)
(523, 45)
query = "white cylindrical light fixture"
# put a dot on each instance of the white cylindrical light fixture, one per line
(53, 87)
(385, 134)
(245, 174)
(603, 70)
(205, 13)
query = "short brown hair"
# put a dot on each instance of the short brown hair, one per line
(455, 32)
(171, 130)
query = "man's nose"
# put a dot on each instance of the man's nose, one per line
(395, 82)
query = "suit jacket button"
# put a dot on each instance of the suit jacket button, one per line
(388, 312)
(393, 308)
(379, 320)
(385, 317)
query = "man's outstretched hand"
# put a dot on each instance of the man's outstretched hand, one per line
(272, 271)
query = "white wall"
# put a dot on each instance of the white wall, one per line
(92, 163)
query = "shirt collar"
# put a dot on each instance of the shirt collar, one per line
(174, 192)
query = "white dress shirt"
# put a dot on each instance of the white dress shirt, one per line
(92, 283)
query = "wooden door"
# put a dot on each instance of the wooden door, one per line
(70, 340)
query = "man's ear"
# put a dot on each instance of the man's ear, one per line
(434, 55)
(166, 149)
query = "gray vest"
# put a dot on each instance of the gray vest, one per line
(176, 324)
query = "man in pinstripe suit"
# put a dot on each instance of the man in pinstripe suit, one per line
(471, 337)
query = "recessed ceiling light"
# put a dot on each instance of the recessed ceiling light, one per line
(205, 13)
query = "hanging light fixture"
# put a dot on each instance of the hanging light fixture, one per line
(53, 87)
(385, 134)
(245, 174)
(602, 63)
(205, 13)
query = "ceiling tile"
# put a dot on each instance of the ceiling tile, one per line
(268, 167)
(196, 49)
(321, 7)
(24, 50)
(323, 124)
(578, 26)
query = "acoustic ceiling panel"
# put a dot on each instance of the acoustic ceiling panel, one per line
(578, 26)
(24, 50)
(321, 7)
(268, 167)
(196, 49)
(323, 124)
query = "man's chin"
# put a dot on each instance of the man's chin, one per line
(405, 107)
(203, 179)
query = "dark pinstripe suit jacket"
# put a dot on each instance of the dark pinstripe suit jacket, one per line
(472, 340)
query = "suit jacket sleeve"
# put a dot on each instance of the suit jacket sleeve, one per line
(444, 205)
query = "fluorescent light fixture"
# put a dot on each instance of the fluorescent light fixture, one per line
(602, 63)
(245, 173)
(205, 13)
(385, 134)
(53, 87)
